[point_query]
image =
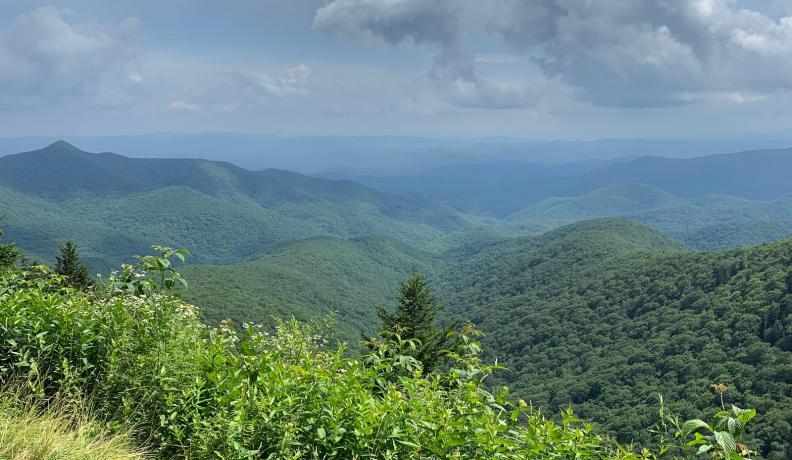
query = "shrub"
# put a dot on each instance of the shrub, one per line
(188, 390)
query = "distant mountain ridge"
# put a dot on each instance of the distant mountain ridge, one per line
(708, 222)
(388, 155)
(222, 212)
(608, 201)
(755, 174)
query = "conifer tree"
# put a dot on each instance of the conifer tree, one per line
(8, 254)
(68, 264)
(415, 319)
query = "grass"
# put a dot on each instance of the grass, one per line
(59, 433)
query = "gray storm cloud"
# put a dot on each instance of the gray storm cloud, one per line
(612, 52)
(652, 53)
(430, 23)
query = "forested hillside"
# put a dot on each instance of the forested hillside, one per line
(114, 206)
(605, 315)
(705, 223)
(600, 314)
(309, 279)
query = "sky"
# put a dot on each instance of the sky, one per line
(538, 69)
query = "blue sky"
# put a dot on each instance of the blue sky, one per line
(569, 69)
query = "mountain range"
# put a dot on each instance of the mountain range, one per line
(114, 206)
(599, 284)
(507, 188)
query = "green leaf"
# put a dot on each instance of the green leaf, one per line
(408, 443)
(744, 415)
(726, 441)
(705, 448)
(693, 425)
(734, 425)
(321, 432)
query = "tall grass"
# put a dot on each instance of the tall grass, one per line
(59, 432)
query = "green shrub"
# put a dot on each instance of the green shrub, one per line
(188, 390)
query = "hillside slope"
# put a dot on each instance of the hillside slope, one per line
(221, 212)
(705, 223)
(308, 279)
(615, 200)
(592, 315)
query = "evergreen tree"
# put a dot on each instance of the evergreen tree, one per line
(415, 319)
(8, 254)
(68, 264)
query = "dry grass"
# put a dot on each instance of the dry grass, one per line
(27, 433)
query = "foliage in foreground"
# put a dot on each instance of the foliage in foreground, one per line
(194, 391)
(8, 254)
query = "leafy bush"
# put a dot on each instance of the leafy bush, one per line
(8, 254)
(721, 439)
(193, 391)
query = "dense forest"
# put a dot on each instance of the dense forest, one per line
(154, 376)
(605, 315)
(114, 206)
(308, 279)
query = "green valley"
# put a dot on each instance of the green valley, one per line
(308, 279)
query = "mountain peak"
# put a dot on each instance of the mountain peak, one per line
(61, 145)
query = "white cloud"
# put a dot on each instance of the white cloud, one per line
(611, 52)
(391, 21)
(290, 82)
(183, 106)
(44, 59)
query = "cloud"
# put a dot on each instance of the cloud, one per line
(183, 106)
(394, 22)
(290, 82)
(624, 53)
(433, 23)
(44, 59)
(638, 53)
(205, 85)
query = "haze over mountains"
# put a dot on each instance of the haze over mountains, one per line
(388, 155)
